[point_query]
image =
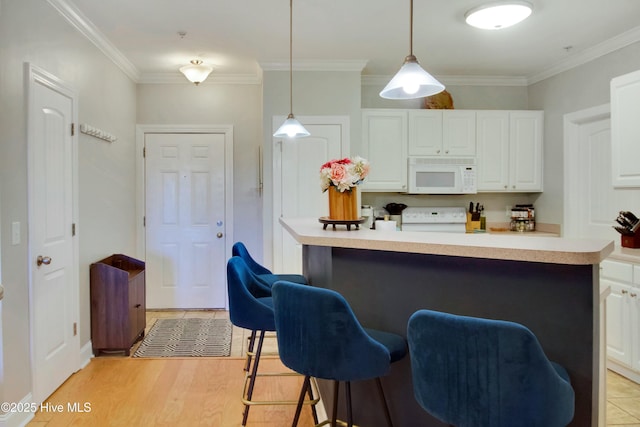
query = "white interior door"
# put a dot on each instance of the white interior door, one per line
(297, 190)
(186, 227)
(55, 348)
(593, 202)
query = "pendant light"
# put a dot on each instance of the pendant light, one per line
(196, 72)
(291, 128)
(412, 81)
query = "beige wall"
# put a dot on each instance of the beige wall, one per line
(212, 104)
(335, 93)
(32, 31)
(573, 90)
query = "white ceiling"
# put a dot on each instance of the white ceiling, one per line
(241, 37)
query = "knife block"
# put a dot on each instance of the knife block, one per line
(631, 241)
(471, 224)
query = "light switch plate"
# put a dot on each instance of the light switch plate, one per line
(15, 233)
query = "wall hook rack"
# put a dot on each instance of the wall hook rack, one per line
(98, 133)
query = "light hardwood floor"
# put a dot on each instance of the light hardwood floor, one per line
(125, 391)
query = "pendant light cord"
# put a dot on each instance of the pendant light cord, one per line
(291, 57)
(410, 28)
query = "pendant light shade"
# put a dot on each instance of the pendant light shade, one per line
(196, 72)
(291, 128)
(412, 81)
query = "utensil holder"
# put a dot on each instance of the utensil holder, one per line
(631, 241)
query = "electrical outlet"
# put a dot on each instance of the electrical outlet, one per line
(15, 233)
(507, 211)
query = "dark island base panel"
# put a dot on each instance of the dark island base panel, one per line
(555, 301)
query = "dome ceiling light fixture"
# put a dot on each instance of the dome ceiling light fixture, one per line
(498, 15)
(196, 72)
(291, 128)
(412, 81)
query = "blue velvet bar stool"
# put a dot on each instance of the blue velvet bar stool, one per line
(472, 372)
(319, 336)
(266, 278)
(251, 307)
(264, 274)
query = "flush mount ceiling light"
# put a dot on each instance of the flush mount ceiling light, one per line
(291, 128)
(196, 72)
(495, 16)
(412, 81)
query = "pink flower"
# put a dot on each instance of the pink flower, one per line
(343, 174)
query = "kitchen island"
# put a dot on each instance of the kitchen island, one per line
(549, 284)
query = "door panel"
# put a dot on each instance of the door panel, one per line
(51, 217)
(185, 220)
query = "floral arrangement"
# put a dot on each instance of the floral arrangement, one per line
(344, 174)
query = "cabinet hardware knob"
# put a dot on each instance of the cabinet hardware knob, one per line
(633, 295)
(623, 292)
(446, 152)
(138, 305)
(219, 235)
(438, 152)
(43, 260)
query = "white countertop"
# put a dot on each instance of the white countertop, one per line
(626, 254)
(555, 250)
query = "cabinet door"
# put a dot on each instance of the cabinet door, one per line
(425, 132)
(459, 133)
(525, 150)
(634, 324)
(384, 135)
(625, 130)
(493, 150)
(618, 323)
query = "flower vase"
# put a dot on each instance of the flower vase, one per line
(343, 206)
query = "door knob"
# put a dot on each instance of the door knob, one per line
(219, 235)
(43, 260)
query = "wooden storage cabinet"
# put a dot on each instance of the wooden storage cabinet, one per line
(118, 317)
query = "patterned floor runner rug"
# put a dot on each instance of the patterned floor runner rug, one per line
(187, 338)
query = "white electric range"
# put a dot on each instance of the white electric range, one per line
(450, 220)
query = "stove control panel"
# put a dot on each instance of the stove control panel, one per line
(423, 215)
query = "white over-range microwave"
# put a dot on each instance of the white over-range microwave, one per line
(442, 175)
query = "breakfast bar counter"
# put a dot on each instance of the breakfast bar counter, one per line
(549, 284)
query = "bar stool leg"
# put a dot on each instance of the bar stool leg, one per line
(336, 389)
(384, 402)
(349, 412)
(313, 406)
(252, 340)
(252, 380)
(305, 386)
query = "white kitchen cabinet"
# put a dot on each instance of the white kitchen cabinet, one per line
(442, 133)
(623, 316)
(509, 146)
(625, 130)
(384, 135)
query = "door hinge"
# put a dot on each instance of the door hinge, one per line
(144, 221)
(73, 229)
(75, 329)
(144, 151)
(73, 129)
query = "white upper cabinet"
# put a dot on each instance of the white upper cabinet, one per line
(509, 145)
(442, 133)
(384, 135)
(625, 130)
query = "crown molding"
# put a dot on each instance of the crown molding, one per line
(587, 55)
(77, 19)
(315, 65)
(220, 79)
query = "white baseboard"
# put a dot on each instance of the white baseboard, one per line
(18, 418)
(86, 354)
(624, 371)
